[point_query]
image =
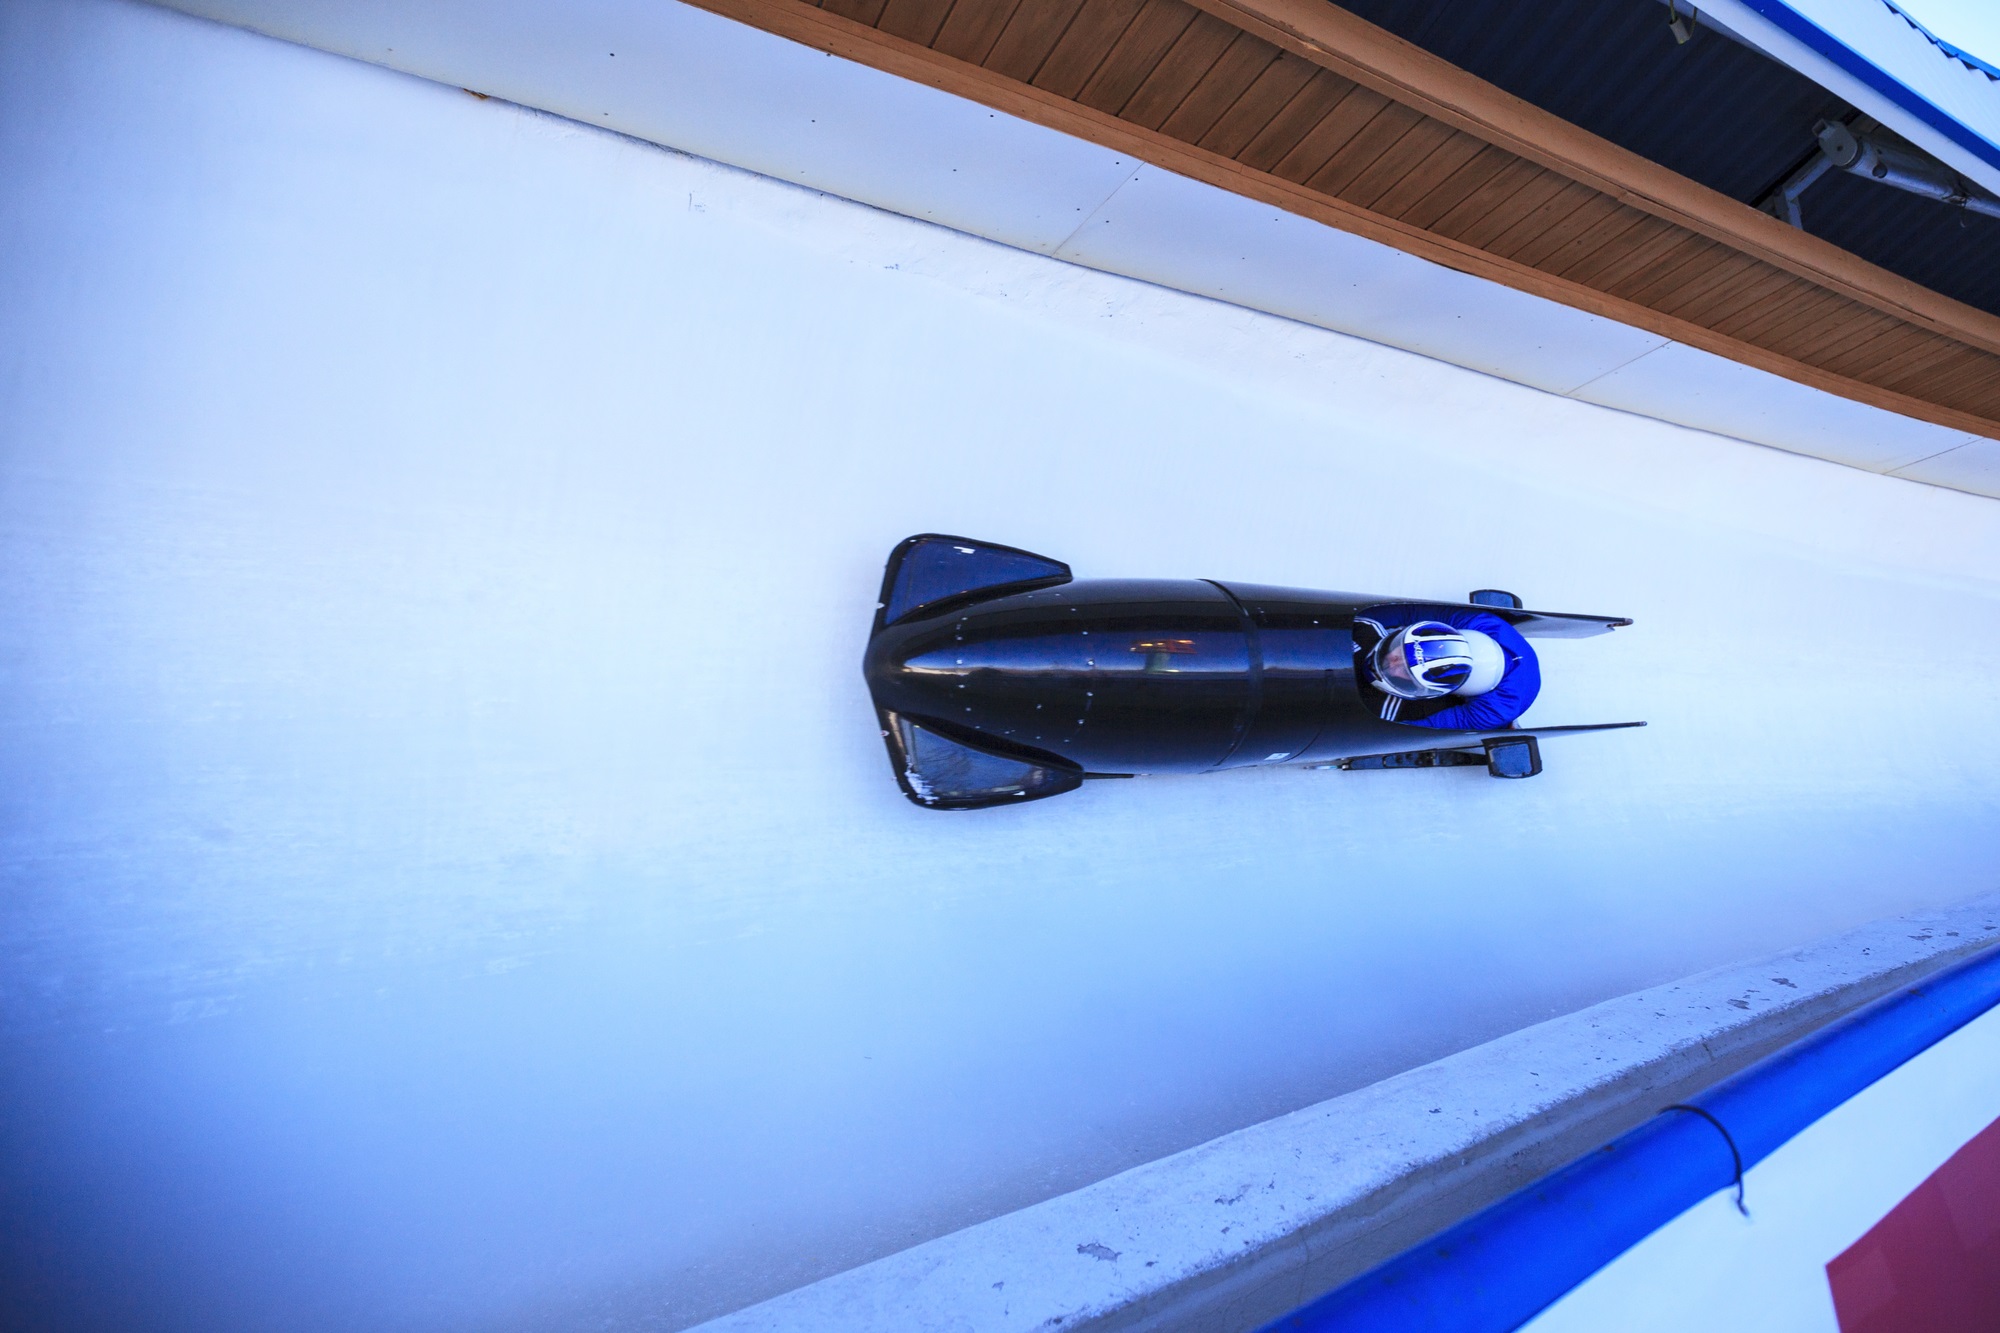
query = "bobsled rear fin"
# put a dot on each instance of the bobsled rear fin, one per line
(1555, 624)
(940, 773)
(931, 569)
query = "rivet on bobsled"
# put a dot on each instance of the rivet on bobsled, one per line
(998, 677)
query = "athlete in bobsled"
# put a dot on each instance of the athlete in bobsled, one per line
(999, 677)
(1466, 671)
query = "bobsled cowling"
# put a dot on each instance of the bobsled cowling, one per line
(999, 677)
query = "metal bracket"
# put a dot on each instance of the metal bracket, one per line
(1681, 28)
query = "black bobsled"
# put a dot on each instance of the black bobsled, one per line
(999, 678)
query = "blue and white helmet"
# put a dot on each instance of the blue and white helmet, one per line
(1430, 659)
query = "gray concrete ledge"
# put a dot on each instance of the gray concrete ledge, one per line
(1247, 1226)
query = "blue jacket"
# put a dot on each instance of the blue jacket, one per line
(1499, 706)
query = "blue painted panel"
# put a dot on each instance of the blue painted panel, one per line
(1499, 1268)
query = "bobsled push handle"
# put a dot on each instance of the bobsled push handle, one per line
(1556, 624)
(1512, 753)
(1501, 757)
(931, 570)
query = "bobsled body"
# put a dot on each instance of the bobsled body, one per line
(1138, 675)
(998, 677)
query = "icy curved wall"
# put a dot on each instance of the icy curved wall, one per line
(451, 875)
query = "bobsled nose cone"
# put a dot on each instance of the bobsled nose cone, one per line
(888, 658)
(915, 670)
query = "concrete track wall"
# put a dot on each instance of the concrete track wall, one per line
(451, 875)
(1246, 1228)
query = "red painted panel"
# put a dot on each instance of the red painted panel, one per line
(1933, 1264)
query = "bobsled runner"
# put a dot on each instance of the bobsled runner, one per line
(998, 677)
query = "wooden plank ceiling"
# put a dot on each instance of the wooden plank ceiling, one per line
(1302, 105)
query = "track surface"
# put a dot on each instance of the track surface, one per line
(451, 878)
